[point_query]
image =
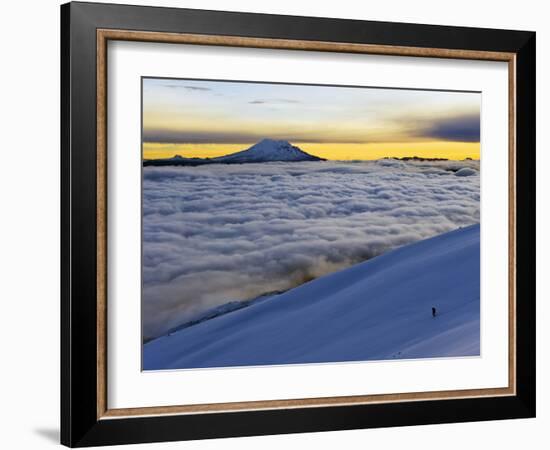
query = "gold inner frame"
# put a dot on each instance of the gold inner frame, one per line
(103, 36)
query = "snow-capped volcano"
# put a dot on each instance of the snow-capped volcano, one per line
(268, 150)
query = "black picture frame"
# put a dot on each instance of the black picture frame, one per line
(80, 425)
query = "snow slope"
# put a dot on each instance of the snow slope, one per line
(267, 150)
(379, 309)
(216, 311)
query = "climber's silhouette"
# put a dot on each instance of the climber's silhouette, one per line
(433, 312)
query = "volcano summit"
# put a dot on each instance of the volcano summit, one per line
(267, 150)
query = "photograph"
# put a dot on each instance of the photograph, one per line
(306, 224)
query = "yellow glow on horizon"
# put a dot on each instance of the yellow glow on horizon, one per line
(430, 149)
(334, 151)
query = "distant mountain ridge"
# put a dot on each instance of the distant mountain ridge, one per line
(267, 150)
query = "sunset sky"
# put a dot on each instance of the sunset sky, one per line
(213, 118)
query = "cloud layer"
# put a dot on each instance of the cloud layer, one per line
(213, 234)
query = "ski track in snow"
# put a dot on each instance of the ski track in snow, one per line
(376, 310)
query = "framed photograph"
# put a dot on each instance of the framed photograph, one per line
(276, 224)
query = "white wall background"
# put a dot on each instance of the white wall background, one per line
(29, 224)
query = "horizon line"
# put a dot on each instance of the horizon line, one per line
(332, 151)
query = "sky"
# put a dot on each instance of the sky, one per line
(200, 118)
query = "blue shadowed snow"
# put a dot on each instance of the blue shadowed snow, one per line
(376, 310)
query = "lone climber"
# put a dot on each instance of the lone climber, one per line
(433, 312)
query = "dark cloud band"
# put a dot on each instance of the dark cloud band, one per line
(460, 129)
(453, 129)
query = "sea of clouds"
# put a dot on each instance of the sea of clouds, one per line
(217, 233)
